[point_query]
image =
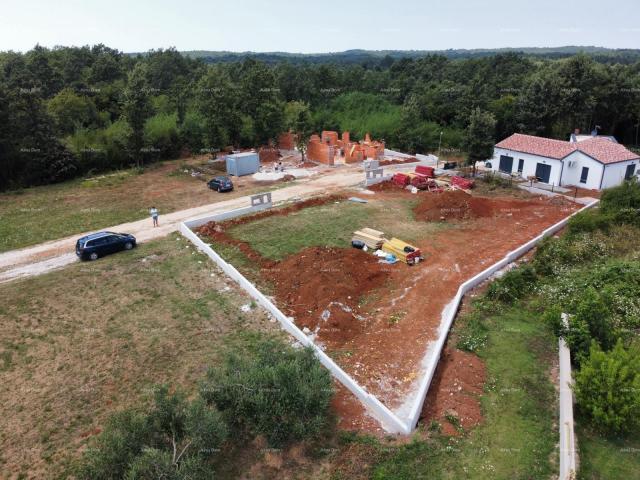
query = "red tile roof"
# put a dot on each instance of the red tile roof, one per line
(606, 151)
(600, 149)
(544, 147)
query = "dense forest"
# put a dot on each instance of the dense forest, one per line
(65, 112)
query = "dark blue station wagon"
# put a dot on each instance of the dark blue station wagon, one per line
(100, 244)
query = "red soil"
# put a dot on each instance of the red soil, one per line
(320, 287)
(459, 205)
(386, 186)
(398, 161)
(455, 390)
(383, 346)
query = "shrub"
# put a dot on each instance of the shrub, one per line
(171, 439)
(590, 221)
(513, 284)
(625, 196)
(607, 388)
(555, 255)
(275, 390)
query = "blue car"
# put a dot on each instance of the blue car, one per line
(220, 183)
(100, 244)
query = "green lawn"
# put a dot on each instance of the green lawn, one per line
(332, 225)
(607, 458)
(517, 437)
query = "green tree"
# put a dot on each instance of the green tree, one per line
(480, 136)
(274, 390)
(297, 119)
(607, 388)
(71, 111)
(173, 438)
(136, 109)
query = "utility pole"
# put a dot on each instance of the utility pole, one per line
(439, 145)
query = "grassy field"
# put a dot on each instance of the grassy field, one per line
(35, 215)
(518, 435)
(332, 225)
(79, 343)
(606, 457)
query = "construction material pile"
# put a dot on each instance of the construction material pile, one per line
(402, 251)
(461, 182)
(373, 239)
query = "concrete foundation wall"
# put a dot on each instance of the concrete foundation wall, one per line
(450, 311)
(393, 422)
(388, 420)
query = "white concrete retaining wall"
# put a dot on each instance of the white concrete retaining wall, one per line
(449, 313)
(429, 159)
(567, 435)
(388, 420)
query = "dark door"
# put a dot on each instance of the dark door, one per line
(506, 164)
(543, 172)
(520, 165)
(584, 175)
(631, 169)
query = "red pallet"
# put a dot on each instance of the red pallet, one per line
(401, 179)
(426, 171)
(461, 182)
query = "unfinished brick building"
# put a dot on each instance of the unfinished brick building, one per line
(330, 149)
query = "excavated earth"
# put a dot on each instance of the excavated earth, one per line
(382, 341)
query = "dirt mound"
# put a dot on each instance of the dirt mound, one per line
(386, 186)
(321, 288)
(455, 391)
(398, 161)
(458, 205)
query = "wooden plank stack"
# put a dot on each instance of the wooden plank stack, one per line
(397, 247)
(373, 239)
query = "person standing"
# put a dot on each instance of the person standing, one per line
(153, 211)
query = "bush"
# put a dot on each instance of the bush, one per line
(607, 388)
(274, 390)
(555, 255)
(623, 197)
(512, 285)
(590, 221)
(171, 439)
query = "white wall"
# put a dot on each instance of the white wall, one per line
(571, 175)
(614, 173)
(530, 162)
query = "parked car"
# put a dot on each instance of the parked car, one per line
(100, 244)
(221, 184)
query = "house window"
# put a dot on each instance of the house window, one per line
(631, 169)
(584, 175)
(520, 165)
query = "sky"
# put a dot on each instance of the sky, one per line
(317, 27)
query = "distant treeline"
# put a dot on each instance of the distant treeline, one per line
(373, 58)
(70, 111)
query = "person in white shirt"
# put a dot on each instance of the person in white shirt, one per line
(153, 211)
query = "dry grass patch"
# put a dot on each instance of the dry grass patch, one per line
(80, 343)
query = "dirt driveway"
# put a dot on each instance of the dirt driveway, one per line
(58, 253)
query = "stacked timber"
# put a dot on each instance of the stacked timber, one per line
(371, 238)
(403, 251)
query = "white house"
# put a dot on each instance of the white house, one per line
(594, 163)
